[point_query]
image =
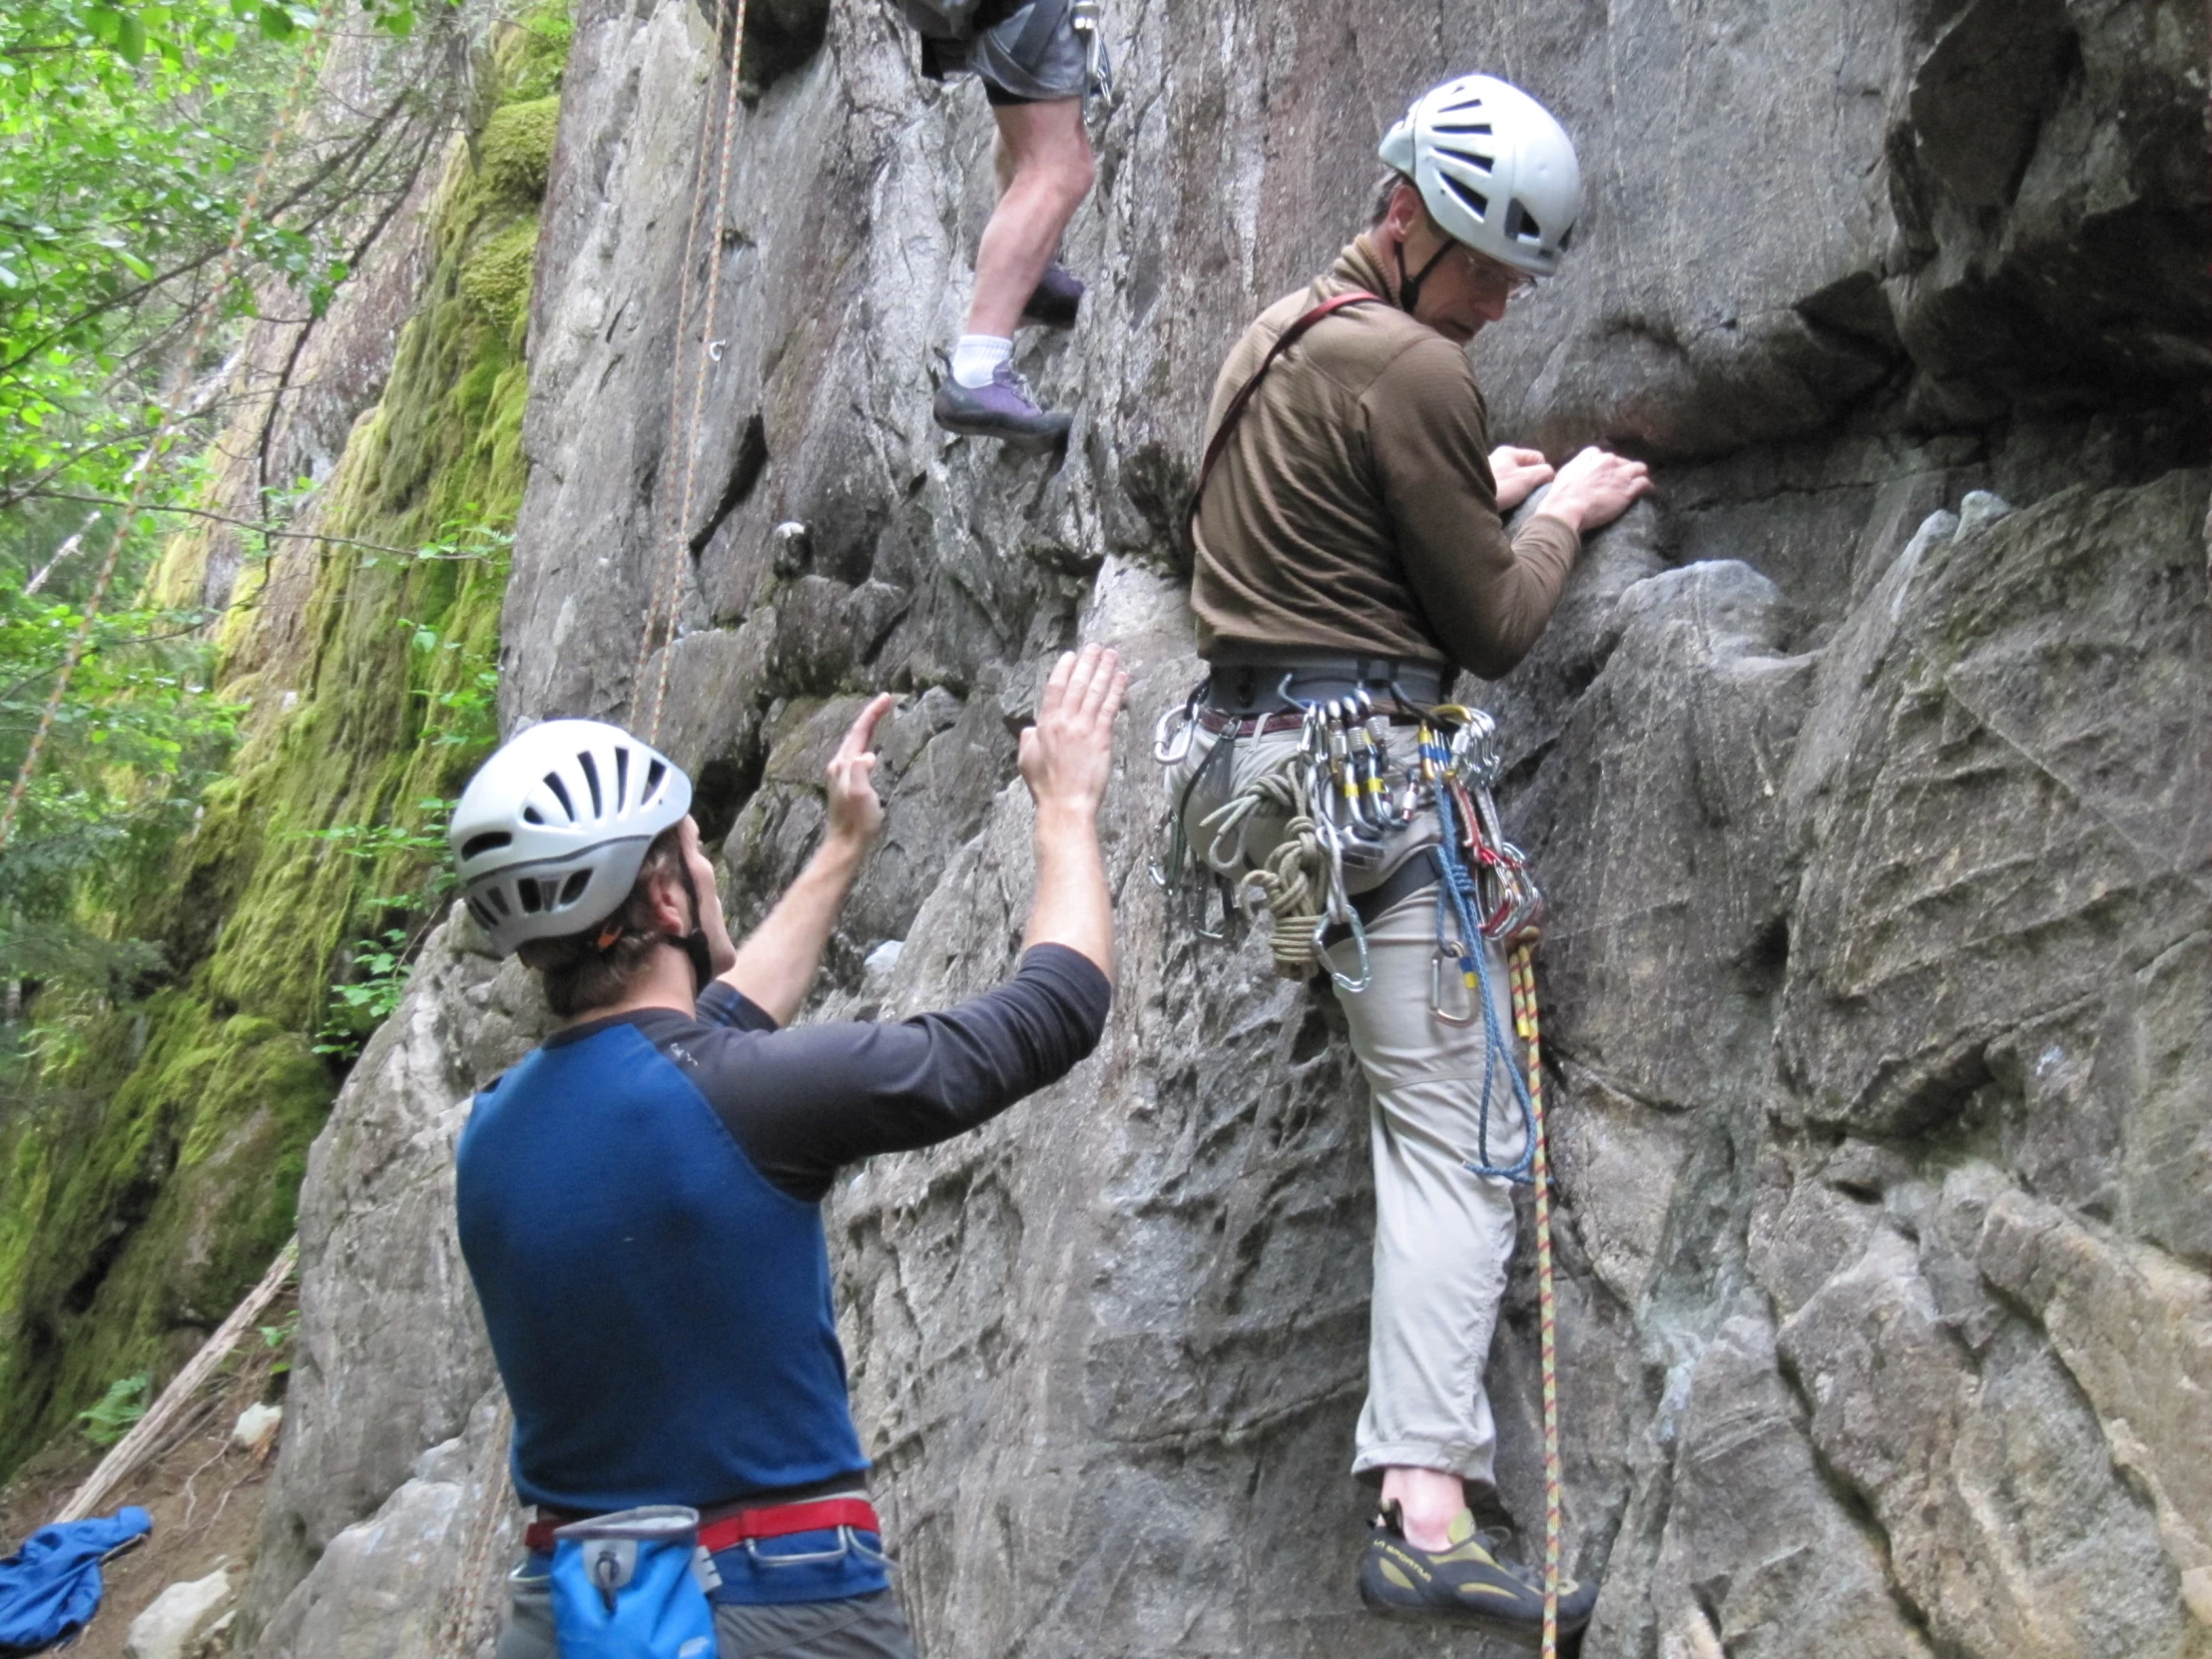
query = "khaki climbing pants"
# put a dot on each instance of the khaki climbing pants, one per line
(1442, 1235)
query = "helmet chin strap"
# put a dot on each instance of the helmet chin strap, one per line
(694, 944)
(1408, 288)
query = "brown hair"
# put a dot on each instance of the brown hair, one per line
(1385, 192)
(577, 973)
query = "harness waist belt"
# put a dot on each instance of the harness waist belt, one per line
(1246, 681)
(1224, 724)
(728, 1531)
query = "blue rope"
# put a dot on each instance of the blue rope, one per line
(1457, 899)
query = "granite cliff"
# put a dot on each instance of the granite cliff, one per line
(1868, 770)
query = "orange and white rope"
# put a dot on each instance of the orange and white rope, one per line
(1547, 1312)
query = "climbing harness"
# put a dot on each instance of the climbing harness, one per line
(1334, 797)
(172, 422)
(1547, 1311)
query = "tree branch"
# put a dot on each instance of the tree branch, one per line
(258, 526)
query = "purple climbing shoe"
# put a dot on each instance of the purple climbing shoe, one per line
(1056, 297)
(1002, 410)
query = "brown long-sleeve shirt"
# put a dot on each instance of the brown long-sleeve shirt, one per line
(1353, 508)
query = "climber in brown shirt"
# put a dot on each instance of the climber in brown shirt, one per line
(1349, 540)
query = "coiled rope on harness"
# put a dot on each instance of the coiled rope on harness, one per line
(1288, 882)
(172, 422)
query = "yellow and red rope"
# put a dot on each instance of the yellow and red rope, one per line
(1547, 1315)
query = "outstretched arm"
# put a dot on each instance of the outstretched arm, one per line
(775, 965)
(1066, 759)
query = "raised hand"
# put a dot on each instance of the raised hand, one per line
(1068, 756)
(855, 810)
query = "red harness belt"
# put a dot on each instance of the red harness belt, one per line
(728, 1531)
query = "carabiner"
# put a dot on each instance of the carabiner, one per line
(1194, 910)
(1170, 749)
(1455, 953)
(1345, 982)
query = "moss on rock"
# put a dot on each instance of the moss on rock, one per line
(130, 1224)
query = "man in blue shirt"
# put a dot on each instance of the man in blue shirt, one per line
(639, 1199)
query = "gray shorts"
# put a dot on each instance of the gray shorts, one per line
(861, 1627)
(1033, 57)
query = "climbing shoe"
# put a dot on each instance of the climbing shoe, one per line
(1056, 299)
(1468, 1583)
(1001, 409)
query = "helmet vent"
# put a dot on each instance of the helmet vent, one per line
(498, 902)
(532, 900)
(622, 777)
(489, 842)
(482, 915)
(1475, 201)
(530, 815)
(654, 773)
(591, 782)
(1519, 224)
(573, 888)
(560, 794)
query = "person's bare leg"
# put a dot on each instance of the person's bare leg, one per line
(1045, 166)
(1428, 1499)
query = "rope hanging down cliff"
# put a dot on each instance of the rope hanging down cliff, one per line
(457, 1637)
(1548, 1308)
(172, 422)
(677, 524)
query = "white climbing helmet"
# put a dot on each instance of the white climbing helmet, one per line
(1497, 172)
(551, 831)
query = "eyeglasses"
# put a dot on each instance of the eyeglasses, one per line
(1489, 274)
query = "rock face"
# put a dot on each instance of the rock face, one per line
(1868, 772)
(171, 1627)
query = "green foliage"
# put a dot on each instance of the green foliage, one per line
(119, 1410)
(131, 138)
(154, 1171)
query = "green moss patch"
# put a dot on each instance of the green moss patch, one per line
(138, 1207)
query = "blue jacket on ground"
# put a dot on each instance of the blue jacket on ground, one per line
(51, 1586)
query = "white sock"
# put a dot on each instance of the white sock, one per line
(976, 355)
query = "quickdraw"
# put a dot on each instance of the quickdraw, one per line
(1456, 933)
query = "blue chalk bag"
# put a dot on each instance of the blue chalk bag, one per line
(633, 1585)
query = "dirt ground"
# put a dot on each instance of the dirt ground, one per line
(204, 1494)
